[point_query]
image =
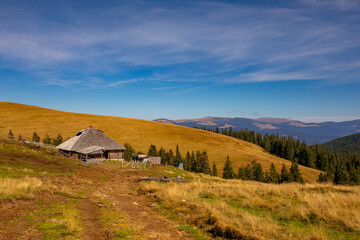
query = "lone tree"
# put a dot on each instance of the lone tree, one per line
(10, 135)
(35, 137)
(228, 172)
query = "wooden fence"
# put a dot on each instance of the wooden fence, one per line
(132, 164)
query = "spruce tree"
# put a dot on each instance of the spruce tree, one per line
(129, 151)
(249, 172)
(257, 171)
(214, 170)
(187, 161)
(47, 139)
(152, 150)
(273, 176)
(266, 142)
(35, 137)
(58, 140)
(284, 175)
(193, 162)
(178, 157)
(228, 172)
(171, 157)
(241, 174)
(162, 154)
(295, 173)
(205, 163)
(341, 175)
(10, 134)
(322, 178)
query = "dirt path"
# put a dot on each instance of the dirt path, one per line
(103, 183)
(119, 188)
(91, 220)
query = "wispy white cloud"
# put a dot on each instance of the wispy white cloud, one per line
(62, 82)
(222, 42)
(123, 82)
(333, 4)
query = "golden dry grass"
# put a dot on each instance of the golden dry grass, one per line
(19, 187)
(25, 119)
(265, 211)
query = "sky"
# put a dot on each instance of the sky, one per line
(184, 59)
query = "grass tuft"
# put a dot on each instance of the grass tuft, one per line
(19, 188)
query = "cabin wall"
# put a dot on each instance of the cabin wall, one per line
(115, 154)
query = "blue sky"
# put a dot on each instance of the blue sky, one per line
(184, 59)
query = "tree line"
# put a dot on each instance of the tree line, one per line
(254, 172)
(198, 162)
(339, 169)
(36, 138)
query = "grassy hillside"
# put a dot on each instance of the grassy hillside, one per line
(43, 196)
(25, 119)
(345, 144)
(235, 209)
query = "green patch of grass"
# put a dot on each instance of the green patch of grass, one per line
(193, 232)
(59, 220)
(116, 224)
(208, 197)
(28, 217)
(80, 194)
(165, 211)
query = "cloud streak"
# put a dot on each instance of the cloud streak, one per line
(227, 43)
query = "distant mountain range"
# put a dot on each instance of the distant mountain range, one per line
(308, 132)
(346, 144)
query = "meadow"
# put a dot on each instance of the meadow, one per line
(25, 120)
(43, 196)
(236, 209)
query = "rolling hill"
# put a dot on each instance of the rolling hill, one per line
(308, 132)
(25, 119)
(345, 144)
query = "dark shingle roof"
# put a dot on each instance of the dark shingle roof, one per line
(87, 138)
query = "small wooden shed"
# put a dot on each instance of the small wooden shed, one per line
(91, 143)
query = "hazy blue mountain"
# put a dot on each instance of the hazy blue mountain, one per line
(308, 132)
(345, 144)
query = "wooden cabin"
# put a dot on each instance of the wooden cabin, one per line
(91, 143)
